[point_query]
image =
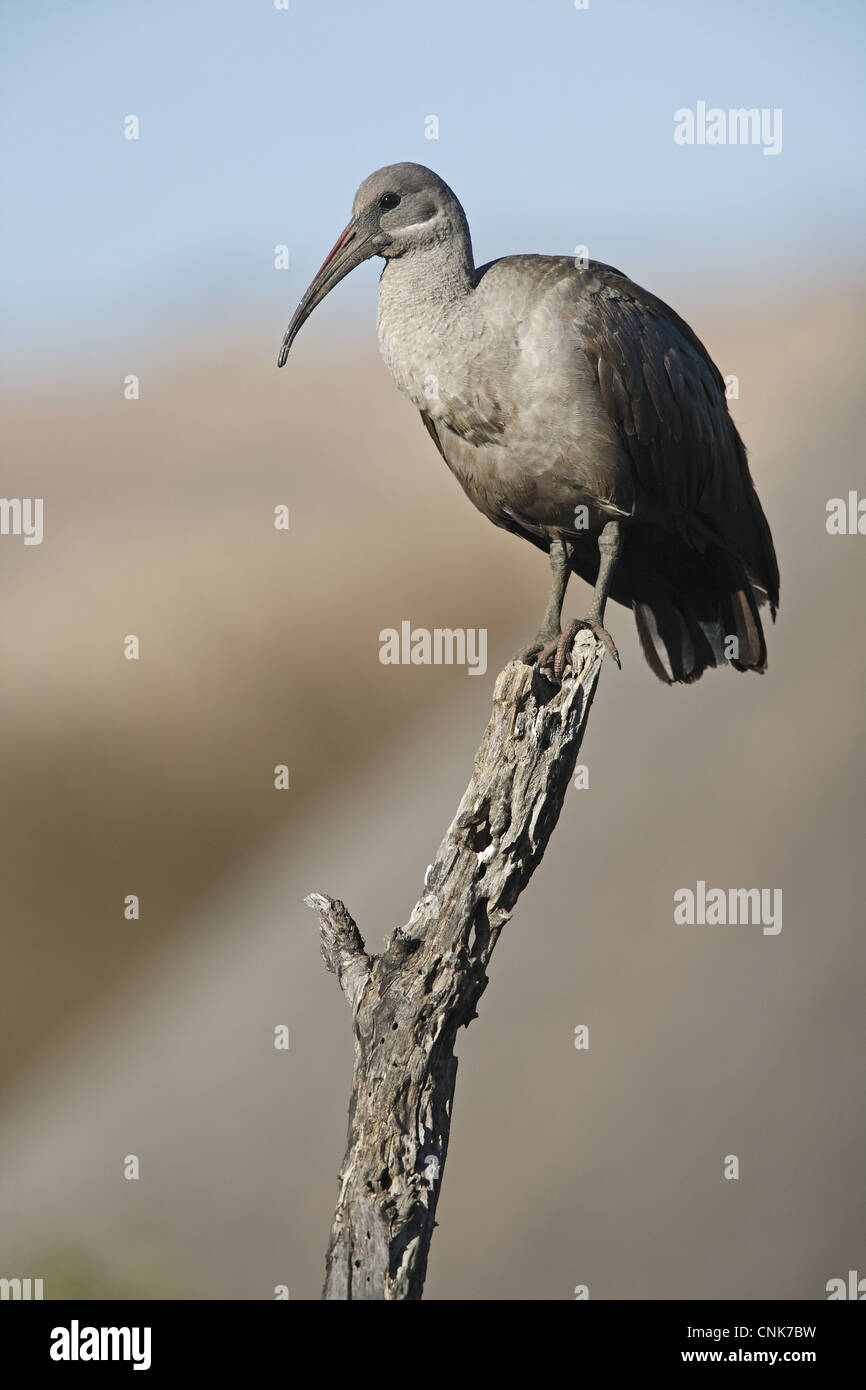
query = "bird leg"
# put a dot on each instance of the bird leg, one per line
(609, 546)
(549, 632)
(556, 647)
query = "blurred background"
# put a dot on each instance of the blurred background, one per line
(156, 257)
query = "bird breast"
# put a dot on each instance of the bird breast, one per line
(433, 351)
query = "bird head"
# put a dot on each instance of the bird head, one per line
(401, 208)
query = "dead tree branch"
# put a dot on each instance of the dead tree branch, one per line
(408, 1003)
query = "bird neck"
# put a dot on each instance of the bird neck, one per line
(425, 308)
(440, 273)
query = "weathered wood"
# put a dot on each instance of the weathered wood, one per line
(408, 1003)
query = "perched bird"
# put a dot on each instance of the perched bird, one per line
(578, 411)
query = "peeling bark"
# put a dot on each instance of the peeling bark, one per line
(408, 1003)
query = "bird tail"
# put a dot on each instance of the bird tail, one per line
(708, 619)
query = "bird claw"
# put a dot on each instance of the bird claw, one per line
(553, 658)
(527, 655)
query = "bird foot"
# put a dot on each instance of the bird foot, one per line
(551, 657)
(527, 655)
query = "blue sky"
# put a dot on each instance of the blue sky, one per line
(555, 128)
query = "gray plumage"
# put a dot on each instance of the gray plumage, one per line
(578, 411)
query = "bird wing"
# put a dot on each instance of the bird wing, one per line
(667, 399)
(665, 395)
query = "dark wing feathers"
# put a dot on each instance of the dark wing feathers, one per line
(667, 398)
(665, 395)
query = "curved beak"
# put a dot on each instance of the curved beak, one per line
(354, 245)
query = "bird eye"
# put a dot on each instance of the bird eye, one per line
(389, 200)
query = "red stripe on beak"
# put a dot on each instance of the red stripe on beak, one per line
(343, 240)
